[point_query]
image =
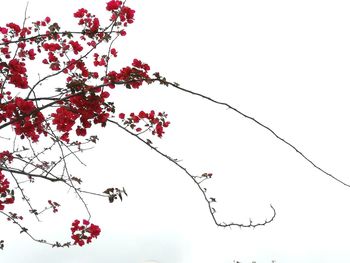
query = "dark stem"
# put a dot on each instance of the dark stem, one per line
(202, 190)
(261, 125)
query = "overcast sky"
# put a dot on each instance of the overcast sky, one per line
(286, 63)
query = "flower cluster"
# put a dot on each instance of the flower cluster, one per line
(6, 156)
(126, 14)
(6, 195)
(113, 5)
(86, 108)
(27, 121)
(84, 232)
(73, 106)
(18, 75)
(153, 122)
(89, 21)
(130, 76)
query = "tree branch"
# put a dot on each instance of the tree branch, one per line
(176, 86)
(209, 200)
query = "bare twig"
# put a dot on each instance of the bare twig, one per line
(209, 200)
(176, 86)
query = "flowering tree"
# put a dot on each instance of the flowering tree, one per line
(37, 119)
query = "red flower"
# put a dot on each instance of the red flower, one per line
(6, 156)
(65, 137)
(138, 64)
(55, 66)
(114, 52)
(4, 183)
(127, 15)
(80, 131)
(31, 123)
(4, 50)
(52, 57)
(95, 25)
(113, 5)
(85, 232)
(64, 119)
(105, 94)
(31, 54)
(94, 230)
(142, 114)
(18, 74)
(17, 67)
(80, 13)
(3, 30)
(14, 27)
(6, 196)
(76, 46)
(51, 46)
(19, 81)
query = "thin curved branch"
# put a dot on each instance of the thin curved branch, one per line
(65, 169)
(25, 230)
(176, 86)
(24, 197)
(209, 200)
(43, 36)
(7, 169)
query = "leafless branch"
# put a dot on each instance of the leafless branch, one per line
(209, 200)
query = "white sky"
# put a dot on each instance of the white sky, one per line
(286, 63)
